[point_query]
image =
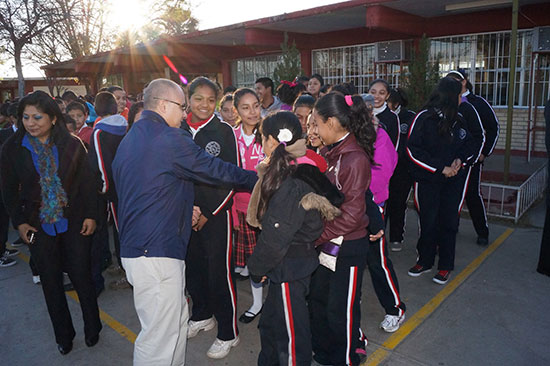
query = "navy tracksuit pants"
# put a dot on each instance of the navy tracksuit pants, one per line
(439, 204)
(384, 279)
(209, 275)
(284, 325)
(474, 201)
(401, 183)
(335, 307)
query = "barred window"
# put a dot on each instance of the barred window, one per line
(245, 72)
(346, 64)
(485, 57)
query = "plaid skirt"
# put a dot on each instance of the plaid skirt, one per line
(245, 240)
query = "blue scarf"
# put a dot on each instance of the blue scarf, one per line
(46, 160)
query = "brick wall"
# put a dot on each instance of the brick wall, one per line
(519, 129)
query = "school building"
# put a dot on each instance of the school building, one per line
(358, 41)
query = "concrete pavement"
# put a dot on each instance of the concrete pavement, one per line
(496, 316)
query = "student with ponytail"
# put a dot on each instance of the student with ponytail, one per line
(439, 146)
(344, 125)
(287, 203)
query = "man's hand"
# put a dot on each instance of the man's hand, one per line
(201, 222)
(24, 230)
(88, 227)
(196, 215)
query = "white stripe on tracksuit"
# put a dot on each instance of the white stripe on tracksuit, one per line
(349, 311)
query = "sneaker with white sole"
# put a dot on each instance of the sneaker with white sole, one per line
(11, 252)
(220, 349)
(36, 280)
(19, 242)
(442, 277)
(396, 246)
(392, 322)
(6, 261)
(417, 270)
(196, 326)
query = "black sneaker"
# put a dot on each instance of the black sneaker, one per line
(5, 261)
(442, 277)
(482, 241)
(11, 252)
(417, 270)
(19, 242)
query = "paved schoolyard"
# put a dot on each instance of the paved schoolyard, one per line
(497, 315)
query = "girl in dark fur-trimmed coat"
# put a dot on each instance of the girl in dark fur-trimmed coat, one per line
(288, 203)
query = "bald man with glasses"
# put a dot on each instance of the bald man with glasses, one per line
(154, 170)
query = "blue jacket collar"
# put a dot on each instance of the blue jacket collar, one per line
(153, 116)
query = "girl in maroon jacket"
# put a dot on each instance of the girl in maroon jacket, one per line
(345, 127)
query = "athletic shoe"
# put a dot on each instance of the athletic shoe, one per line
(220, 349)
(11, 252)
(442, 277)
(36, 280)
(481, 241)
(392, 322)
(417, 270)
(362, 354)
(5, 261)
(396, 246)
(19, 242)
(196, 326)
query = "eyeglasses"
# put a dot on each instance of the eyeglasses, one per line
(182, 106)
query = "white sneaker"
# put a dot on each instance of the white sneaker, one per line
(36, 280)
(196, 326)
(392, 322)
(220, 349)
(396, 246)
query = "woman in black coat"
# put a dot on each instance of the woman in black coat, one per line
(48, 192)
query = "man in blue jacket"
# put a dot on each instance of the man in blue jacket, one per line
(154, 170)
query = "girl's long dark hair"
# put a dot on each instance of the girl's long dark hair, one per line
(237, 96)
(444, 102)
(281, 162)
(356, 118)
(46, 104)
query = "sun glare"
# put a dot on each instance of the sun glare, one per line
(129, 14)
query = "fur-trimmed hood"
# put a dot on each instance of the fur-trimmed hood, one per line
(326, 198)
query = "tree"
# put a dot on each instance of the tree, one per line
(290, 66)
(174, 17)
(21, 21)
(422, 77)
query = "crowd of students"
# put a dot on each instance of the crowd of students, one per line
(333, 166)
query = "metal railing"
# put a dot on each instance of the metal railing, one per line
(511, 202)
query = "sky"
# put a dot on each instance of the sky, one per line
(210, 13)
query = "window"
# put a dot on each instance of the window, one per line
(485, 57)
(246, 71)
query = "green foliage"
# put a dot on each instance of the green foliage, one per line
(175, 18)
(422, 77)
(290, 66)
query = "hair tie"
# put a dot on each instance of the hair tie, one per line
(283, 143)
(349, 100)
(291, 84)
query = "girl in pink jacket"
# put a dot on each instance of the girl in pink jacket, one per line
(247, 104)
